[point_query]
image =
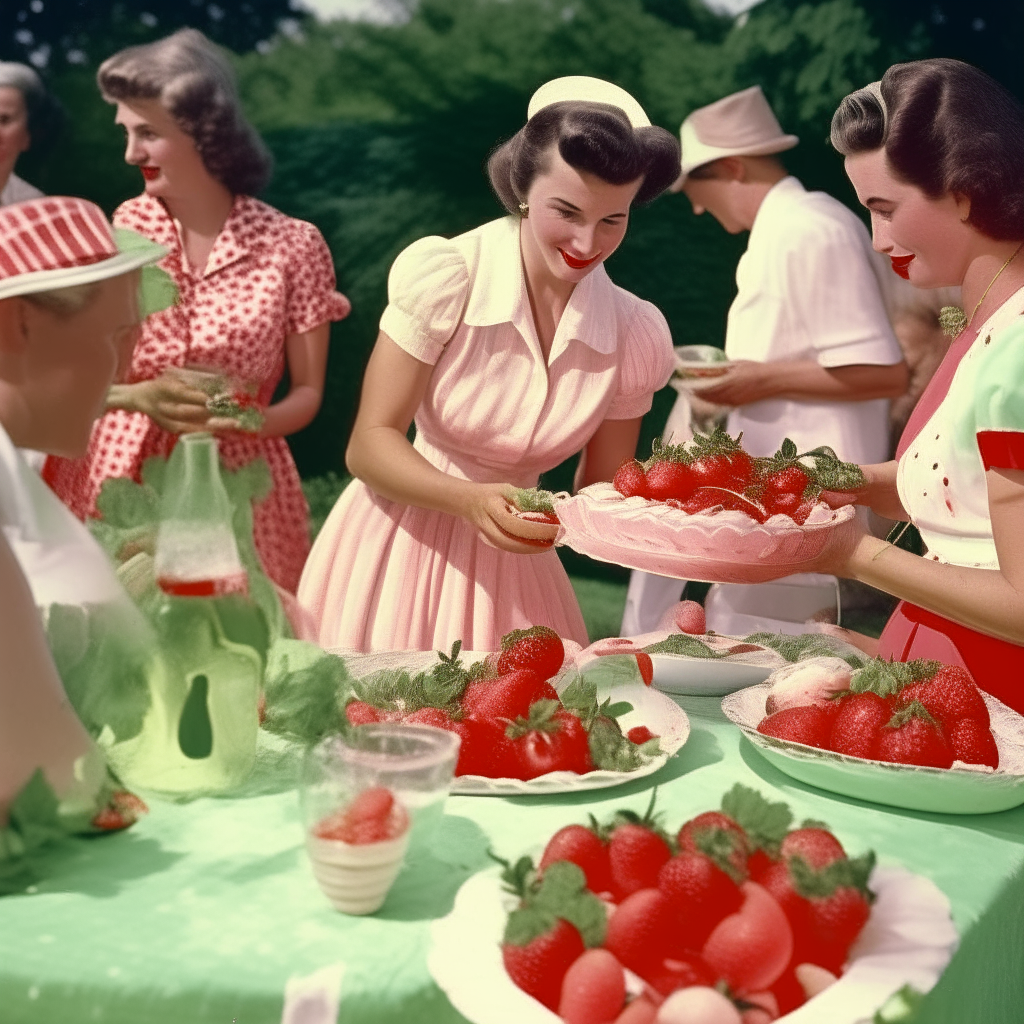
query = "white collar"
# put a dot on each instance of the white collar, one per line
(589, 316)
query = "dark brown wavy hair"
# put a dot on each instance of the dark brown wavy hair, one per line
(946, 128)
(593, 137)
(196, 85)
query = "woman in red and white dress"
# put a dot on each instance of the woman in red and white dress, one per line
(935, 152)
(257, 291)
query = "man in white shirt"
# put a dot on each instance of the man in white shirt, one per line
(814, 357)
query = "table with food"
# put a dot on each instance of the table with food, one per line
(681, 827)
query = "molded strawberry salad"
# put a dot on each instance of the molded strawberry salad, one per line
(713, 473)
(915, 713)
(512, 721)
(735, 918)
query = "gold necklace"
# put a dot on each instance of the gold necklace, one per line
(953, 320)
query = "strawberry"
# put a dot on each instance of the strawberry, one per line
(688, 617)
(669, 479)
(816, 845)
(810, 724)
(710, 497)
(826, 907)
(949, 695)
(646, 667)
(539, 964)
(973, 743)
(584, 848)
(547, 739)
(701, 894)
(630, 480)
(858, 724)
(484, 748)
(700, 1004)
(436, 717)
(789, 481)
(749, 949)
(122, 810)
(358, 712)
(913, 736)
(508, 696)
(638, 1011)
(593, 990)
(640, 734)
(802, 511)
(640, 931)
(556, 919)
(782, 504)
(538, 648)
(718, 836)
(637, 849)
(373, 817)
(718, 460)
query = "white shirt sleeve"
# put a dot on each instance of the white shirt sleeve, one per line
(834, 296)
(427, 291)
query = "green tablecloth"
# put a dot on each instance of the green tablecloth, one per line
(201, 912)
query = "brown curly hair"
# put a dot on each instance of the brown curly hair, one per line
(946, 127)
(196, 85)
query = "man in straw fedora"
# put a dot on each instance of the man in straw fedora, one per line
(70, 300)
(811, 351)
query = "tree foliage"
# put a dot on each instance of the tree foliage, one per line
(381, 132)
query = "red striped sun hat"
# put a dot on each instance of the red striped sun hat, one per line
(60, 241)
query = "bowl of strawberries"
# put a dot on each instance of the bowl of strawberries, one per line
(918, 734)
(707, 510)
(528, 720)
(735, 917)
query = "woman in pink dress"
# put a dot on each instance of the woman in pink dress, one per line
(512, 350)
(256, 291)
(935, 151)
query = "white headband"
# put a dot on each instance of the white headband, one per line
(582, 88)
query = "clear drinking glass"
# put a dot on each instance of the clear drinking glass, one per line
(367, 797)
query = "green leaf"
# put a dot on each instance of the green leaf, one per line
(616, 710)
(533, 499)
(610, 750)
(125, 504)
(580, 697)
(765, 823)
(823, 882)
(563, 893)
(526, 924)
(901, 1007)
(808, 645)
(887, 678)
(304, 689)
(684, 644)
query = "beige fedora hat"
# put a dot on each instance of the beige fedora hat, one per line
(741, 124)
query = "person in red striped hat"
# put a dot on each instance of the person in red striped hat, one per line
(69, 317)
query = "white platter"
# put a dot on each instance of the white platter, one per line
(659, 713)
(909, 939)
(957, 790)
(704, 677)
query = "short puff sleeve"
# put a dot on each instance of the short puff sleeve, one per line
(646, 364)
(427, 292)
(999, 400)
(312, 297)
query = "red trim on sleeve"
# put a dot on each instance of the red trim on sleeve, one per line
(1001, 449)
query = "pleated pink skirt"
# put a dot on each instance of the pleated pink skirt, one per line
(385, 576)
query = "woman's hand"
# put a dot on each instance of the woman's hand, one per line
(489, 509)
(171, 403)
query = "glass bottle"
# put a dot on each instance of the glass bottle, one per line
(196, 552)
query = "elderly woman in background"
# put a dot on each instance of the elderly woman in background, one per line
(28, 115)
(257, 292)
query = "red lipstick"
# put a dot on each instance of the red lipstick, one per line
(575, 263)
(901, 265)
(150, 173)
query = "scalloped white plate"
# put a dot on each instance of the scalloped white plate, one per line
(701, 677)
(715, 547)
(908, 939)
(659, 713)
(943, 790)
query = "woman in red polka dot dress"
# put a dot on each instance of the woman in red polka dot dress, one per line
(257, 291)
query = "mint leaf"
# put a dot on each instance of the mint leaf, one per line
(304, 687)
(684, 644)
(610, 750)
(766, 824)
(616, 710)
(887, 678)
